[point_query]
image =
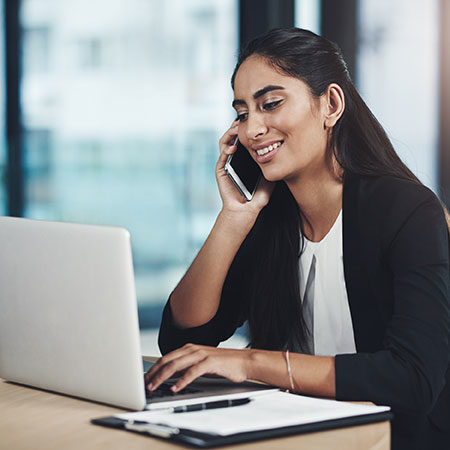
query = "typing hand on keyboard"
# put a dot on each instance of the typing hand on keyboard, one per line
(164, 391)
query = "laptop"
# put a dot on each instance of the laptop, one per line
(68, 318)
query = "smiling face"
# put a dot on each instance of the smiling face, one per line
(280, 122)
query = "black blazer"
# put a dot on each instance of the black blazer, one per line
(396, 266)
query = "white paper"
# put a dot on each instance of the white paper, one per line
(275, 410)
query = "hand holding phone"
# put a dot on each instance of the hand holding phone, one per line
(243, 171)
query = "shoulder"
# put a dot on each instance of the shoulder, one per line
(382, 206)
(388, 195)
(389, 188)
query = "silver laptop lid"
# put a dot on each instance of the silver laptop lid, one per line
(68, 316)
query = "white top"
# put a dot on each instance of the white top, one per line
(327, 302)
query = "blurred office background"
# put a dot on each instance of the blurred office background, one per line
(111, 109)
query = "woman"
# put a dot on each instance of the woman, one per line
(341, 257)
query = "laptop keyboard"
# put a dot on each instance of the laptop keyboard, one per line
(164, 391)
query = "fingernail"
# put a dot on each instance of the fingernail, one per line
(174, 388)
(149, 385)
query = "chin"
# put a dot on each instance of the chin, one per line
(274, 175)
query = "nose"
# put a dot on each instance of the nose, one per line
(256, 126)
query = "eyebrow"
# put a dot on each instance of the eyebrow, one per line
(258, 94)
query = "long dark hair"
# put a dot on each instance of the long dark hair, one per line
(269, 255)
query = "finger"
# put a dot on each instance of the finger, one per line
(173, 367)
(159, 364)
(234, 124)
(151, 370)
(266, 186)
(230, 135)
(223, 156)
(167, 358)
(157, 368)
(193, 373)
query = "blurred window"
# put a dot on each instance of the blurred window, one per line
(397, 73)
(307, 15)
(398, 76)
(36, 41)
(123, 104)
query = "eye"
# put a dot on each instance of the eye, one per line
(242, 117)
(271, 105)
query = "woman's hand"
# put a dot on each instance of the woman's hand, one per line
(233, 201)
(196, 360)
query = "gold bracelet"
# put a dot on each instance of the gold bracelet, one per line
(291, 380)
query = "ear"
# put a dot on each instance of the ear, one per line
(333, 103)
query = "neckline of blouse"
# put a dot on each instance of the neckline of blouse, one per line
(326, 237)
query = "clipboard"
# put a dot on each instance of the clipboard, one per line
(197, 439)
(201, 439)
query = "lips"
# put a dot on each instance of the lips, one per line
(266, 152)
(269, 148)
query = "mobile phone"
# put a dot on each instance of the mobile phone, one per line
(243, 171)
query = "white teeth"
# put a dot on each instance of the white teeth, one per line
(265, 150)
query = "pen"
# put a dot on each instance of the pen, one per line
(211, 405)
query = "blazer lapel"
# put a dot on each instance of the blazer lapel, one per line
(364, 317)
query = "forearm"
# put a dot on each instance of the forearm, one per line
(196, 298)
(312, 375)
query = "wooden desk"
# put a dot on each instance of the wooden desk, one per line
(32, 419)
